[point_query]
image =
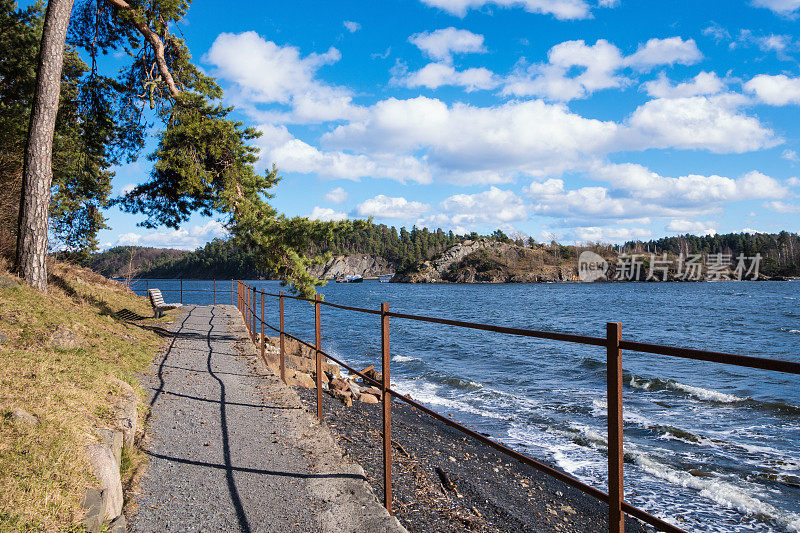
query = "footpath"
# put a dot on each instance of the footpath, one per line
(231, 448)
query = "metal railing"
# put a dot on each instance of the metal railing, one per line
(180, 290)
(246, 300)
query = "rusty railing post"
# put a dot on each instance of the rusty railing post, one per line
(262, 341)
(318, 334)
(616, 518)
(283, 364)
(214, 296)
(387, 410)
(255, 317)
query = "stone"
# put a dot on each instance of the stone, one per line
(368, 398)
(300, 379)
(106, 470)
(112, 439)
(344, 397)
(3, 338)
(21, 417)
(127, 417)
(340, 384)
(372, 391)
(93, 503)
(64, 339)
(118, 525)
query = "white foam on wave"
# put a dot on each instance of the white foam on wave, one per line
(428, 393)
(699, 393)
(722, 492)
(404, 358)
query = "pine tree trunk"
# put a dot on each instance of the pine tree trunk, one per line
(37, 170)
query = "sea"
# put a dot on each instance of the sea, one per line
(708, 447)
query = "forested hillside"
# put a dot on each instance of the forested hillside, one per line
(405, 249)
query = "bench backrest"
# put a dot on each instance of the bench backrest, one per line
(155, 297)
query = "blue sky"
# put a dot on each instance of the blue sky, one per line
(579, 120)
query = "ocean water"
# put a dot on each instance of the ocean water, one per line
(708, 447)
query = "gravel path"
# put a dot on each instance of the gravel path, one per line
(232, 449)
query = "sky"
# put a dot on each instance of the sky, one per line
(574, 120)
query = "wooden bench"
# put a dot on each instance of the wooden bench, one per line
(157, 301)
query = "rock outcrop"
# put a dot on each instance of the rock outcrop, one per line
(490, 261)
(366, 265)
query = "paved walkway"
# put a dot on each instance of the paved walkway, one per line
(232, 449)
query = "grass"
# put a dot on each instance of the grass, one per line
(44, 472)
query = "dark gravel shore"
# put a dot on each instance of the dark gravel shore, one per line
(492, 492)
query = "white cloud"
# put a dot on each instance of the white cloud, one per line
(351, 26)
(336, 196)
(491, 206)
(775, 90)
(599, 62)
(440, 45)
(435, 75)
(639, 182)
(127, 189)
(782, 207)
(326, 214)
(790, 155)
(713, 123)
(293, 155)
(787, 8)
(793, 182)
(182, 238)
(561, 9)
(497, 141)
(551, 199)
(665, 52)
(598, 67)
(606, 234)
(383, 206)
(705, 83)
(718, 33)
(267, 73)
(694, 227)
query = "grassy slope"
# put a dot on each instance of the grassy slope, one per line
(43, 470)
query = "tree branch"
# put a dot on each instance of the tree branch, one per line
(154, 40)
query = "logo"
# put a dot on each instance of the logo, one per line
(591, 266)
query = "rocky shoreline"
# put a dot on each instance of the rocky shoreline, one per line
(443, 481)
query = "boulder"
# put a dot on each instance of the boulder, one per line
(118, 525)
(340, 384)
(126, 412)
(344, 397)
(106, 470)
(93, 504)
(112, 439)
(300, 379)
(21, 417)
(367, 398)
(63, 338)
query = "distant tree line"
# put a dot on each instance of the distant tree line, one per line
(406, 248)
(780, 252)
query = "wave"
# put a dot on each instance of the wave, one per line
(698, 393)
(718, 490)
(404, 358)
(428, 393)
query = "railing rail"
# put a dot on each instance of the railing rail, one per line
(245, 297)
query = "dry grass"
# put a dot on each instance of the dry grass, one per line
(43, 470)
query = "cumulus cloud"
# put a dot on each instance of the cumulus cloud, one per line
(440, 45)
(705, 83)
(561, 9)
(293, 155)
(599, 67)
(673, 50)
(268, 73)
(775, 90)
(713, 123)
(607, 234)
(782, 207)
(491, 206)
(383, 206)
(183, 238)
(694, 227)
(498, 141)
(435, 75)
(336, 196)
(787, 8)
(326, 214)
